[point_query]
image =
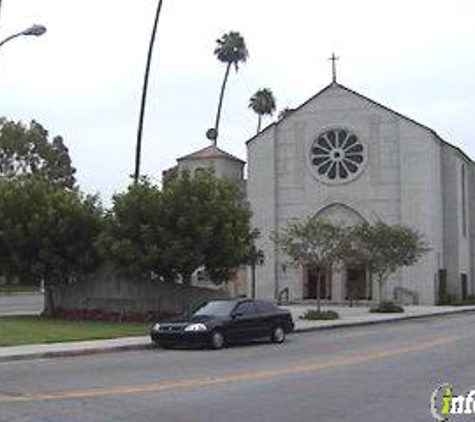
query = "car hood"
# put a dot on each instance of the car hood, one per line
(193, 319)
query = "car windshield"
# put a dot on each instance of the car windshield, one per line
(216, 308)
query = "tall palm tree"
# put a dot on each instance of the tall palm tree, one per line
(138, 147)
(231, 49)
(263, 103)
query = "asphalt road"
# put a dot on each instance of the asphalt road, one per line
(375, 373)
(21, 304)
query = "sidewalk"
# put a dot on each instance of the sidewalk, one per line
(349, 317)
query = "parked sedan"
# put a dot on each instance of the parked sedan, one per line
(220, 322)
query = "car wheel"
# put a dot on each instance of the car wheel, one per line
(278, 334)
(217, 340)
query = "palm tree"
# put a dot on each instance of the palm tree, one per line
(138, 147)
(263, 103)
(231, 49)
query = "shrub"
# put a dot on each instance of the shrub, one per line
(387, 308)
(469, 300)
(315, 315)
(100, 315)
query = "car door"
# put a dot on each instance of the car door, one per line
(244, 324)
(267, 318)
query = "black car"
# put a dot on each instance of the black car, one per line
(224, 321)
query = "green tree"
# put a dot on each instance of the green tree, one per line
(47, 234)
(27, 150)
(312, 243)
(262, 103)
(135, 238)
(384, 248)
(231, 49)
(195, 222)
(210, 223)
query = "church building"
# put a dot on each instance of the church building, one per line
(346, 158)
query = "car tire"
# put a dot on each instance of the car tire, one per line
(278, 334)
(217, 340)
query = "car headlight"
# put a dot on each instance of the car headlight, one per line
(196, 327)
(156, 327)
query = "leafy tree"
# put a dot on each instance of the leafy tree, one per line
(169, 175)
(135, 238)
(231, 49)
(195, 222)
(262, 103)
(384, 248)
(26, 150)
(313, 243)
(210, 224)
(47, 234)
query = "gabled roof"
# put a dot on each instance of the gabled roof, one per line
(209, 152)
(337, 85)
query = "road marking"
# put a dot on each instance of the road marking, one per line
(226, 379)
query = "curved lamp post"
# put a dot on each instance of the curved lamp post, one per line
(35, 30)
(138, 147)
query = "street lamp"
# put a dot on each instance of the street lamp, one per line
(35, 30)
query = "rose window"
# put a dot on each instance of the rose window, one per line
(337, 156)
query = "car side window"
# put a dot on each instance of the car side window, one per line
(246, 308)
(265, 307)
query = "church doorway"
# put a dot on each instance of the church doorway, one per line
(318, 283)
(358, 284)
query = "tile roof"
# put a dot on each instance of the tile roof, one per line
(209, 152)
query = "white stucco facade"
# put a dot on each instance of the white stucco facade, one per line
(399, 172)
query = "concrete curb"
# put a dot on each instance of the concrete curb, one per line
(75, 352)
(404, 318)
(142, 345)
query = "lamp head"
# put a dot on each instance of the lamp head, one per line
(35, 30)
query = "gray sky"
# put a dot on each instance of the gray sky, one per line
(83, 79)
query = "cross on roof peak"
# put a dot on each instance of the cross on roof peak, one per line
(334, 59)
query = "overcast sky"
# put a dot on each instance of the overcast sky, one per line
(83, 78)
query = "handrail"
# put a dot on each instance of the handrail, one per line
(399, 291)
(284, 292)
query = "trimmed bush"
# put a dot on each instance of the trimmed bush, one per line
(314, 315)
(387, 308)
(469, 300)
(100, 315)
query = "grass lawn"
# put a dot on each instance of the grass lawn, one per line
(15, 331)
(4, 289)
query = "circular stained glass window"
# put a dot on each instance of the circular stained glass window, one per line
(337, 156)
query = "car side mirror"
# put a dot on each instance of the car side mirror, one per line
(237, 315)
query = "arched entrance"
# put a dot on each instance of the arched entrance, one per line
(357, 284)
(338, 284)
(318, 284)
